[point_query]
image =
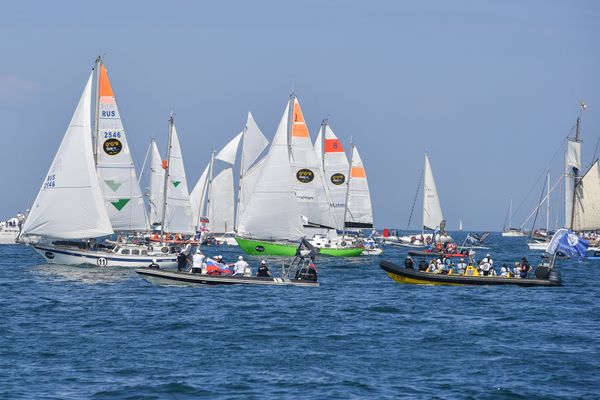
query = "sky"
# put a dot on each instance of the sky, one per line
(489, 88)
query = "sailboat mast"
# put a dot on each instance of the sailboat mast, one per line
(348, 188)
(239, 196)
(96, 131)
(166, 181)
(548, 206)
(323, 130)
(510, 213)
(290, 122)
(575, 170)
(210, 186)
(424, 194)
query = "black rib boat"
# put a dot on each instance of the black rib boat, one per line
(407, 275)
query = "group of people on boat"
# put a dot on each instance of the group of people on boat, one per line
(485, 267)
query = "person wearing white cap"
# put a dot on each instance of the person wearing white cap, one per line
(197, 261)
(240, 267)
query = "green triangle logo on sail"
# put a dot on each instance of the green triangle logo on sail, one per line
(176, 183)
(120, 203)
(113, 185)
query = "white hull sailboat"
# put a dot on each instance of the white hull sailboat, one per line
(433, 218)
(84, 182)
(507, 231)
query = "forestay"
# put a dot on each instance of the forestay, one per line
(432, 210)
(69, 204)
(360, 212)
(116, 172)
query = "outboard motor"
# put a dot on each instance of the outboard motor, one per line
(554, 276)
(542, 272)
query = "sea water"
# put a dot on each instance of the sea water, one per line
(106, 333)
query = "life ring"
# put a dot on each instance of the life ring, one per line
(165, 249)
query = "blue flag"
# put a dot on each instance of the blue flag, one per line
(568, 243)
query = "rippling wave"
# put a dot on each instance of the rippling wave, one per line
(73, 332)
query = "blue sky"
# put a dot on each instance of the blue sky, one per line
(489, 88)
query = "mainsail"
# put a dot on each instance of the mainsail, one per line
(432, 210)
(157, 182)
(116, 171)
(308, 179)
(586, 216)
(360, 212)
(178, 212)
(334, 166)
(69, 204)
(272, 210)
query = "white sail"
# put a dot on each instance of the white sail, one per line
(178, 214)
(360, 212)
(221, 211)
(272, 211)
(432, 210)
(335, 170)
(587, 201)
(157, 183)
(198, 197)
(572, 161)
(116, 172)
(247, 187)
(308, 180)
(228, 153)
(69, 204)
(254, 144)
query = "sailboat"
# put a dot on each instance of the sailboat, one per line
(91, 190)
(582, 193)
(289, 200)
(433, 218)
(507, 230)
(213, 199)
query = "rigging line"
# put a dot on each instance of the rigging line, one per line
(537, 210)
(415, 200)
(542, 175)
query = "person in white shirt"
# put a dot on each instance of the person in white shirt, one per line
(240, 267)
(197, 261)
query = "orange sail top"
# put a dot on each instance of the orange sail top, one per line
(358, 172)
(299, 128)
(333, 146)
(105, 88)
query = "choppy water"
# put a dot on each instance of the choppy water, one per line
(75, 332)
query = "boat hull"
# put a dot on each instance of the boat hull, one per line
(8, 236)
(266, 248)
(411, 276)
(162, 277)
(72, 256)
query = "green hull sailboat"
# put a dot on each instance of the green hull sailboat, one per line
(267, 248)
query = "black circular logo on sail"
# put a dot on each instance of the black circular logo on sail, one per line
(305, 175)
(112, 147)
(338, 179)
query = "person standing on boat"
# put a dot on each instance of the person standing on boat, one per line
(263, 270)
(422, 265)
(240, 267)
(525, 268)
(408, 263)
(461, 266)
(197, 261)
(182, 261)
